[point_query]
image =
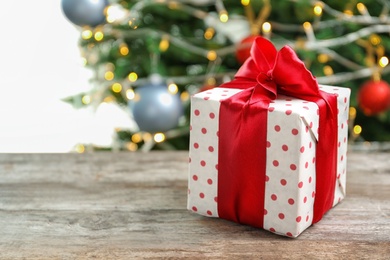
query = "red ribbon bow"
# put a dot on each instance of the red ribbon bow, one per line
(271, 72)
(242, 132)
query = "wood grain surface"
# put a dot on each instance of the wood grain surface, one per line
(133, 206)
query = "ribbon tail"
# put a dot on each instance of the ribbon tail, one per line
(326, 156)
(242, 160)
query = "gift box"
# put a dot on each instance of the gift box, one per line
(268, 149)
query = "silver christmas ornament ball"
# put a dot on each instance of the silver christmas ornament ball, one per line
(155, 109)
(85, 12)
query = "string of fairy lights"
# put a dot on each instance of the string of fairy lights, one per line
(117, 13)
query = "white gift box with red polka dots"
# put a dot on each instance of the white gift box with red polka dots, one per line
(290, 164)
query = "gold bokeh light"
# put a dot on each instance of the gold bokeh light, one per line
(86, 99)
(116, 87)
(80, 148)
(109, 75)
(317, 10)
(383, 61)
(130, 94)
(184, 96)
(99, 36)
(209, 33)
(266, 27)
(172, 88)
(123, 49)
(357, 129)
(86, 34)
(223, 16)
(245, 2)
(147, 136)
(132, 146)
(159, 137)
(136, 138)
(164, 44)
(323, 58)
(328, 70)
(361, 8)
(132, 77)
(211, 55)
(352, 113)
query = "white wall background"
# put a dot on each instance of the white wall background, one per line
(39, 65)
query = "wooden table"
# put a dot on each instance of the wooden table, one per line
(133, 205)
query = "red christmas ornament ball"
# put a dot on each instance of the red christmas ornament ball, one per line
(243, 50)
(374, 97)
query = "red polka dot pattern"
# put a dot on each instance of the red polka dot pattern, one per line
(203, 165)
(291, 146)
(291, 159)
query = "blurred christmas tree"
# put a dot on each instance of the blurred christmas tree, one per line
(149, 56)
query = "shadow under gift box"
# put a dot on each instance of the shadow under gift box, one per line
(292, 134)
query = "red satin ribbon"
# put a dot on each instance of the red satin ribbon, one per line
(242, 132)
